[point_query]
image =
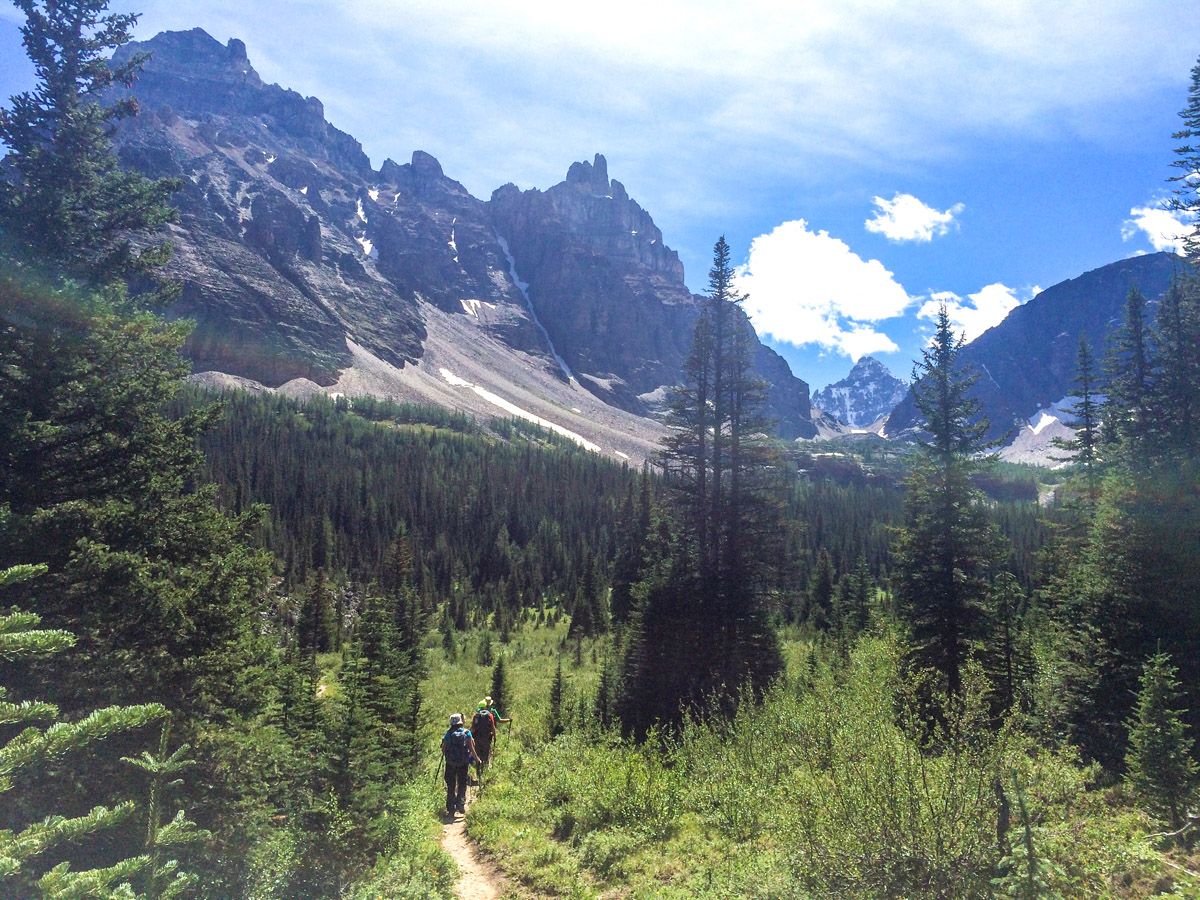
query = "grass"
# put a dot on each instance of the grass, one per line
(530, 657)
(820, 792)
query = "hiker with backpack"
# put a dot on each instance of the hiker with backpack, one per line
(483, 728)
(496, 717)
(488, 720)
(458, 748)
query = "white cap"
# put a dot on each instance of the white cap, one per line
(455, 719)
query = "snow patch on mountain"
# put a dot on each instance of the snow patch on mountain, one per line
(472, 306)
(1034, 441)
(1044, 420)
(514, 410)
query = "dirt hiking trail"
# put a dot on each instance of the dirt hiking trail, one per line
(478, 878)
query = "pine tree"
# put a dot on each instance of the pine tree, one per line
(299, 714)
(657, 677)
(1160, 766)
(859, 611)
(555, 724)
(606, 693)
(358, 764)
(1008, 655)
(486, 653)
(1187, 190)
(634, 529)
(500, 690)
(162, 878)
(820, 592)
(1128, 414)
(1177, 390)
(316, 630)
(947, 551)
(590, 615)
(1083, 449)
(711, 592)
(24, 841)
(402, 656)
(1139, 568)
(388, 682)
(66, 206)
(449, 641)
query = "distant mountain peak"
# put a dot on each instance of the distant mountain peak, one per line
(859, 399)
(199, 53)
(592, 175)
(869, 365)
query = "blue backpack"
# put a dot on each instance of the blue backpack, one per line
(454, 746)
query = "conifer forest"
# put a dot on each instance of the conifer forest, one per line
(233, 624)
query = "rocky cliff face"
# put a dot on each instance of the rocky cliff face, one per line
(859, 399)
(611, 293)
(289, 243)
(1027, 362)
(293, 251)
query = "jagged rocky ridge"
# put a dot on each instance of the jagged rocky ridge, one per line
(298, 258)
(862, 397)
(1026, 364)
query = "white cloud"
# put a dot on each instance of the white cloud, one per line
(979, 311)
(807, 287)
(1163, 228)
(710, 89)
(906, 218)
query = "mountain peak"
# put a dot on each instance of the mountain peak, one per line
(590, 175)
(425, 165)
(869, 365)
(859, 399)
(196, 53)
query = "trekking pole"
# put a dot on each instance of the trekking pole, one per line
(438, 769)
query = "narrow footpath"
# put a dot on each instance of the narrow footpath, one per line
(479, 878)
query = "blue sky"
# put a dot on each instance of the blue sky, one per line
(865, 159)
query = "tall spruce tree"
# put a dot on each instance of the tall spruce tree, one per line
(1160, 766)
(1177, 388)
(710, 592)
(500, 693)
(1083, 448)
(66, 206)
(1128, 407)
(554, 720)
(403, 660)
(316, 630)
(820, 592)
(1008, 654)
(1186, 197)
(947, 552)
(634, 531)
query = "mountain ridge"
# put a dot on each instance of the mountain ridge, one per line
(299, 261)
(1026, 363)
